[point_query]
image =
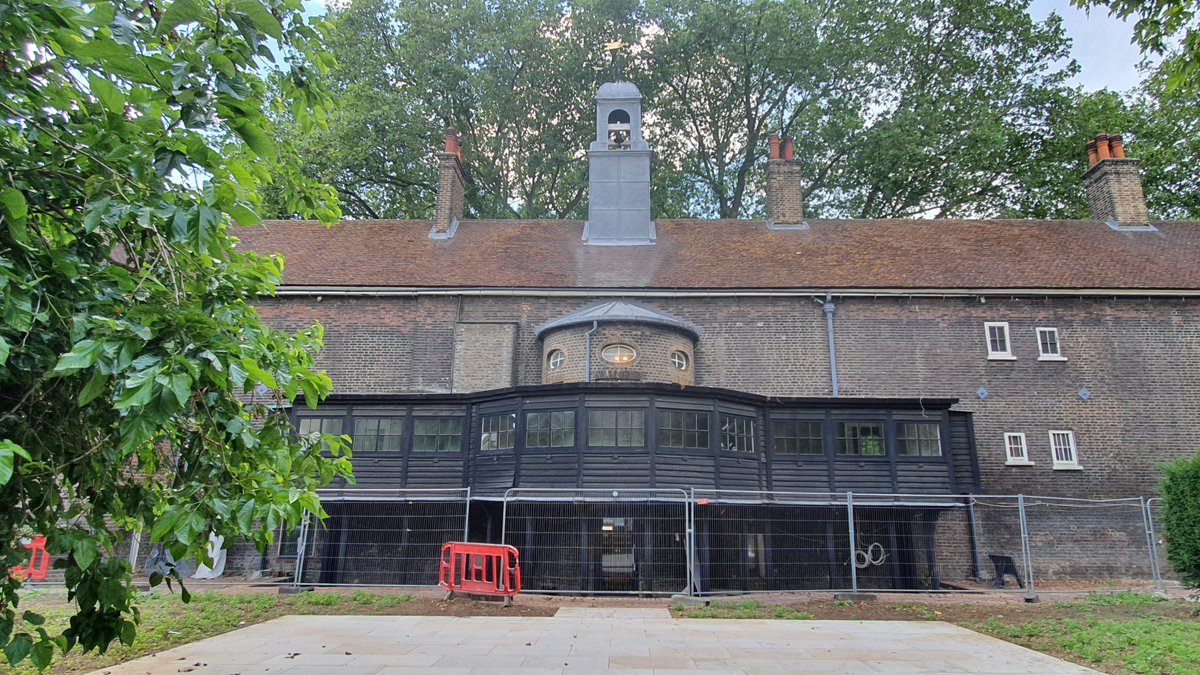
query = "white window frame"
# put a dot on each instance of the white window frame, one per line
(1011, 460)
(1073, 463)
(1043, 356)
(1006, 355)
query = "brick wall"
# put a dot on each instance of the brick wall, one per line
(448, 205)
(785, 191)
(652, 345)
(1138, 358)
(1114, 190)
(483, 356)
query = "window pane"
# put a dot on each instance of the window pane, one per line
(793, 437)
(858, 438)
(365, 432)
(437, 434)
(737, 434)
(683, 430)
(918, 439)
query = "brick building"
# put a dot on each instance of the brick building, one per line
(788, 354)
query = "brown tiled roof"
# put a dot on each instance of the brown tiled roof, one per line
(740, 254)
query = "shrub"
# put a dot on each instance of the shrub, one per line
(1180, 490)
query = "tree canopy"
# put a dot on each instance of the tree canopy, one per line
(138, 386)
(912, 108)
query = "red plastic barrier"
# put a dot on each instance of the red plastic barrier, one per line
(39, 561)
(483, 569)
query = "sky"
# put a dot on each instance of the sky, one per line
(1099, 43)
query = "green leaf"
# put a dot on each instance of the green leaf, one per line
(181, 386)
(42, 654)
(179, 13)
(245, 516)
(4, 350)
(85, 552)
(9, 451)
(81, 356)
(93, 388)
(14, 204)
(256, 139)
(18, 649)
(103, 50)
(128, 633)
(165, 524)
(261, 17)
(107, 93)
(244, 216)
(33, 618)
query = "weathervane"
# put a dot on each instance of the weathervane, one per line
(614, 49)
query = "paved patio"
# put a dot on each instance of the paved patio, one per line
(592, 640)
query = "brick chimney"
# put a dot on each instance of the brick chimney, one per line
(785, 194)
(1113, 182)
(452, 180)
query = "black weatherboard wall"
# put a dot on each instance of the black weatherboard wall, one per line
(699, 437)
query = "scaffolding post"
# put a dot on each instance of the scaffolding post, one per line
(853, 545)
(1030, 593)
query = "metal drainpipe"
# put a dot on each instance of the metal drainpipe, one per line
(829, 309)
(587, 352)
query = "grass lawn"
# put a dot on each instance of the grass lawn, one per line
(1114, 633)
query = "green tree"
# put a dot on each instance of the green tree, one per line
(138, 386)
(914, 107)
(1180, 491)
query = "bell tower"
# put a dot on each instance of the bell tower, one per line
(618, 171)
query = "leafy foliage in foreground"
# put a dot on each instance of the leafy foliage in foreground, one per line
(138, 386)
(1180, 490)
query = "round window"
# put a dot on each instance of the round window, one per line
(555, 359)
(618, 354)
(679, 360)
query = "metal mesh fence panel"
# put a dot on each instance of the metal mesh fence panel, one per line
(381, 537)
(896, 541)
(769, 541)
(599, 541)
(1158, 542)
(1096, 540)
(997, 552)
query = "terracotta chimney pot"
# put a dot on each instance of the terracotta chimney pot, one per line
(773, 145)
(1102, 148)
(1117, 144)
(1093, 156)
(787, 149)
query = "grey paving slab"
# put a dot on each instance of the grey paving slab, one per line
(582, 640)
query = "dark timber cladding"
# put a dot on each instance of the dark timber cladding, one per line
(617, 436)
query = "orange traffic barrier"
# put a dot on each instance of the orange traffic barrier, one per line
(482, 569)
(39, 561)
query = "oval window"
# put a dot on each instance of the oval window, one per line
(556, 359)
(618, 354)
(679, 360)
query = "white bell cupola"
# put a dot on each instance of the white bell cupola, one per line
(619, 171)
